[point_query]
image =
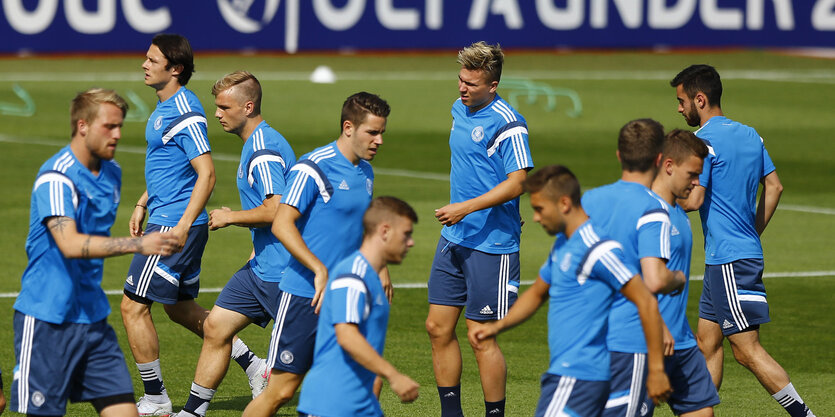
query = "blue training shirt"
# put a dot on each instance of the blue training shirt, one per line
(673, 308)
(332, 195)
(336, 384)
(485, 147)
(637, 218)
(266, 159)
(585, 273)
(736, 162)
(53, 288)
(176, 134)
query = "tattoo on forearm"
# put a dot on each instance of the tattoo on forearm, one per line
(58, 224)
(85, 249)
(120, 245)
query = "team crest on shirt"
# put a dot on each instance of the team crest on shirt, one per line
(566, 262)
(158, 123)
(38, 399)
(369, 186)
(477, 134)
(240, 170)
(286, 357)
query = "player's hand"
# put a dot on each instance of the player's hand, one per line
(158, 244)
(320, 280)
(451, 213)
(680, 280)
(219, 218)
(405, 388)
(479, 332)
(136, 220)
(658, 386)
(669, 342)
(181, 234)
(385, 279)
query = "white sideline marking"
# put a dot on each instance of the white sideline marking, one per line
(407, 285)
(801, 76)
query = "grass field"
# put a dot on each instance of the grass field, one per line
(787, 98)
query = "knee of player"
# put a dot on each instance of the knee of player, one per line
(213, 332)
(131, 308)
(435, 330)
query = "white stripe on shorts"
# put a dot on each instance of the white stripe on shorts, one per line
(504, 277)
(635, 388)
(561, 396)
(148, 270)
(729, 280)
(278, 326)
(26, 342)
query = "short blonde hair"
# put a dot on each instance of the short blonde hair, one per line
(249, 89)
(85, 105)
(484, 57)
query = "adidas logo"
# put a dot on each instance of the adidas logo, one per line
(129, 280)
(344, 185)
(486, 310)
(449, 395)
(495, 411)
(674, 232)
(727, 324)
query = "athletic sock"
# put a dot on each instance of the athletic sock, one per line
(450, 401)
(494, 409)
(198, 399)
(791, 401)
(244, 357)
(152, 380)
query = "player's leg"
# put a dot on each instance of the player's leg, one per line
(447, 296)
(119, 410)
(712, 305)
(694, 394)
(280, 389)
(104, 380)
(144, 345)
(492, 287)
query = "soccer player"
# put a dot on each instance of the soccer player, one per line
(251, 295)
(733, 302)
(629, 212)
(352, 325)
(319, 223)
(180, 176)
(581, 277)
(694, 394)
(61, 303)
(477, 259)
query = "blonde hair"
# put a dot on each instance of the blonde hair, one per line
(85, 105)
(484, 57)
(249, 89)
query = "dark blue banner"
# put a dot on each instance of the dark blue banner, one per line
(309, 25)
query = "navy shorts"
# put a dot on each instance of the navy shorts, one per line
(628, 388)
(251, 296)
(88, 365)
(294, 335)
(169, 279)
(567, 396)
(693, 388)
(487, 284)
(734, 295)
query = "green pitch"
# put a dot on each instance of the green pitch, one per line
(788, 100)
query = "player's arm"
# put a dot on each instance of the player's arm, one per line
(769, 198)
(138, 216)
(658, 385)
(205, 169)
(352, 341)
(284, 228)
(694, 201)
(73, 244)
(260, 216)
(658, 278)
(522, 309)
(505, 191)
(385, 279)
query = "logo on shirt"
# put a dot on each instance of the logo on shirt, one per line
(369, 186)
(727, 324)
(674, 232)
(477, 134)
(566, 262)
(158, 123)
(344, 185)
(240, 170)
(286, 357)
(116, 196)
(130, 280)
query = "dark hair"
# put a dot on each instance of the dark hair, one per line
(359, 105)
(679, 144)
(177, 51)
(556, 181)
(385, 208)
(639, 144)
(701, 77)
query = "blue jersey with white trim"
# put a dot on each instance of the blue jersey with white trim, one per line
(266, 159)
(674, 307)
(485, 147)
(585, 273)
(336, 384)
(176, 134)
(637, 218)
(332, 195)
(53, 288)
(736, 163)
